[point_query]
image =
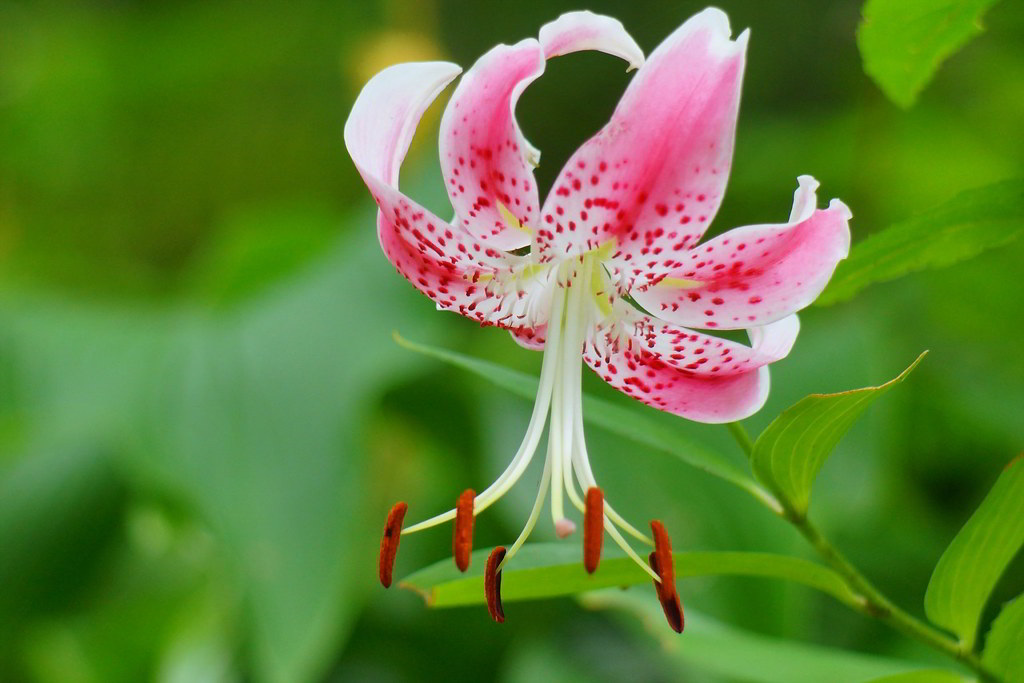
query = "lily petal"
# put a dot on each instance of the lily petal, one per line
(713, 400)
(584, 30)
(756, 274)
(441, 260)
(653, 177)
(694, 375)
(485, 159)
(531, 339)
(702, 354)
(384, 117)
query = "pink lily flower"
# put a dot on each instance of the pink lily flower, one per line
(624, 217)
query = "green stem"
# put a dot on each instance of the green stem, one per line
(739, 432)
(874, 602)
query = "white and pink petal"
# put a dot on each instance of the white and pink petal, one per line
(441, 260)
(652, 179)
(702, 354)
(485, 159)
(756, 274)
(584, 30)
(702, 398)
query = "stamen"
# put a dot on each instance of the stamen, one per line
(389, 543)
(492, 585)
(531, 522)
(462, 537)
(593, 525)
(670, 605)
(534, 430)
(663, 549)
(628, 549)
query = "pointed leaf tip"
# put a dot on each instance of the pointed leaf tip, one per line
(791, 450)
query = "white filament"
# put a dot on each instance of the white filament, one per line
(548, 373)
(572, 315)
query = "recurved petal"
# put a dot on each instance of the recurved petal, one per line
(377, 135)
(647, 378)
(584, 30)
(653, 177)
(687, 373)
(702, 354)
(756, 274)
(384, 116)
(486, 161)
(441, 260)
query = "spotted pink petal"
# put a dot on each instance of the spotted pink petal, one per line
(654, 176)
(687, 373)
(702, 354)
(486, 160)
(531, 339)
(756, 274)
(441, 260)
(647, 378)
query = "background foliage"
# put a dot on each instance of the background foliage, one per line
(204, 418)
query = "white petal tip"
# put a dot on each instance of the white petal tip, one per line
(715, 17)
(585, 30)
(808, 181)
(805, 199)
(840, 206)
(564, 528)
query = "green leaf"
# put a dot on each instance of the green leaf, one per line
(790, 451)
(1004, 653)
(921, 676)
(734, 654)
(965, 226)
(636, 424)
(544, 570)
(903, 42)
(969, 569)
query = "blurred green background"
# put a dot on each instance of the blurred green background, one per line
(203, 417)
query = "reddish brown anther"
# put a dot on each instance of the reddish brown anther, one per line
(670, 604)
(389, 543)
(462, 537)
(663, 549)
(492, 585)
(593, 529)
